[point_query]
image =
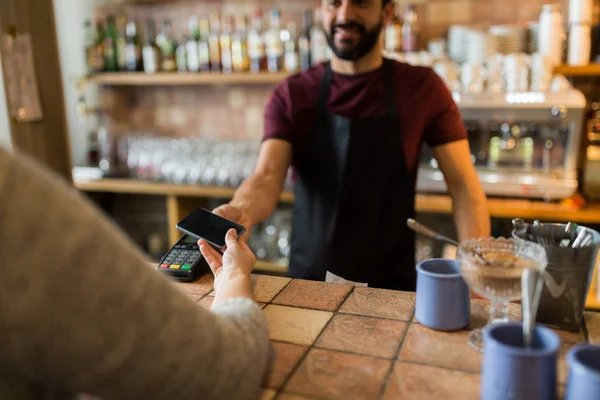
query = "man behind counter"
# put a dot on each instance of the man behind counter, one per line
(352, 129)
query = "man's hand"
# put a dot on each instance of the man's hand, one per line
(238, 215)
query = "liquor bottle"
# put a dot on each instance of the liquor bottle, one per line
(225, 44)
(133, 49)
(393, 33)
(410, 30)
(110, 45)
(304, 40)
(256, 44)
(291, 63)
(94, 47)
(318, 41)
(167, 47)
(239, 46)
(273, 44)
(214, 45)
(121, 42)
(151, 53)
(181, 55)
(191, 45)
(203, 45)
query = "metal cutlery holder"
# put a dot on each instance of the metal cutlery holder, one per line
(568, 274)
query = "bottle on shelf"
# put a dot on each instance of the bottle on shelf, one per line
(167, 47)
(181, 55)
(319, 49)
(203, 45)
(121, 42)
(214, 40)
(393, 33)
(110, 45)
(133, 48)
(291, 62)
(150, 52)
(304, 40)
(256, 44)
(225, 44)
(410, 30)
(239, 46)
(273, 43)
(192, 45)
(94, 47)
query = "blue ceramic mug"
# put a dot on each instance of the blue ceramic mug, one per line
(443, 301)
(584, 372)
(511, 371)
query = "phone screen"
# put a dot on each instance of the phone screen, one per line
(205, 225)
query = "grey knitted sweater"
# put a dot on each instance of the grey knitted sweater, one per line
(81, 313)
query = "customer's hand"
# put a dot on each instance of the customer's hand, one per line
(235, 263)
(238, 215)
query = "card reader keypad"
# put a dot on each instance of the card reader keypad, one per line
(182, 256)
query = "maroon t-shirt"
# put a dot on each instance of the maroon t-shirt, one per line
(426, 109)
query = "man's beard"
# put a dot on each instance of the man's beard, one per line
(366, 41)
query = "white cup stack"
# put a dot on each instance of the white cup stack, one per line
(551, 33)
(580, 22)
(541, 73)
(516, 72)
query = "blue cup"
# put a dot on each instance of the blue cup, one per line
(443, 300)
(511, 371)
(584, 372)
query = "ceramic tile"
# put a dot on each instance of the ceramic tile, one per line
(380, 303)
(421, 382)
(200, 287)
(592, 322)
(480, 313)
(570, 337)
(285, 358)
(268, 394)
(206, 302)
(334, 375)
(562, 369)
(266, 287)
(440, 349)
(295, 325)
(363, 335)
(313, 294)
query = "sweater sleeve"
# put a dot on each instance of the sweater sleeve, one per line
(80, 311)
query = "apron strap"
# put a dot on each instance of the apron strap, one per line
(389, 88)
(323, 98)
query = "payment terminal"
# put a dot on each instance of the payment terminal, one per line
(184, 262)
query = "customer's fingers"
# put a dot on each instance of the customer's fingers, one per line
(231, 239)
(212, 257)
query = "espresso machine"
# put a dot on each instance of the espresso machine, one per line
(522, 144)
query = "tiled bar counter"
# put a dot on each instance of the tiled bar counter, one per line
(336, 341)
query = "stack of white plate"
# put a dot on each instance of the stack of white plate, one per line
(457, 43)
(510, 38)
(480, 46)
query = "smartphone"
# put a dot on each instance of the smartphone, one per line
(204, 224)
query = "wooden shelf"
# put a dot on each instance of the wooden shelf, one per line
(586, 70)
(185, 78)
(437, 204)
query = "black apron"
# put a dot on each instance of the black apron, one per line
(353, 195)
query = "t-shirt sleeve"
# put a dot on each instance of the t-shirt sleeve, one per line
(445, 124)
(278, 121)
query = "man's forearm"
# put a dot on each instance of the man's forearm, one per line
(258, 196)
(471, 214)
